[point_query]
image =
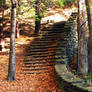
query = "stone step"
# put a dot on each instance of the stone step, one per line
(36, 56)
(35, 66)
(38, 44)
(42, 62)
(62, 49)
(36, 53)
(36, 72)
(38, 50)
(49, 39)
(44, 47)
(46, 55)
(35, 69)
(28, 59)
(42, 52)
(44, 40)
(37, 59)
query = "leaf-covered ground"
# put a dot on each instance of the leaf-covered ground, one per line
(44, 82)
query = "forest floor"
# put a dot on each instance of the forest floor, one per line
(34, 82)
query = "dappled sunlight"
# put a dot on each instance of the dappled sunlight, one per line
(58, 15)
(24, 40)
(54, 18)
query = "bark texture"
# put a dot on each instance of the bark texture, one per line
(90, 34)
(82, 48)
(37, 16)
(11, 69)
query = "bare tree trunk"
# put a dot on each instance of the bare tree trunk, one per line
(17, 21)
(11, 68)
(83, 50)
(90, 34)
(89, 19)
(17, 30)
(37, 16)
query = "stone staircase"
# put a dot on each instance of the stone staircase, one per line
(48, 50)
(41, 53)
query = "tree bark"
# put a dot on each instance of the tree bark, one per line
(17, 21)
(11, 68)
(83, 50)
(17, 30)
(37, 16)
(90, 34)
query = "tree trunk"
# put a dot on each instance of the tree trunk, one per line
(11, 68)
(17, 21)
(90, 34)
(37, 16)
(17, 30)
(83, 51)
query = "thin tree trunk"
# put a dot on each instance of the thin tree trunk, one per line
(37, 16)
(90, 34)
(11, 68)
(83, 51)
(17, 30)
(17, 21)
(89, 19)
